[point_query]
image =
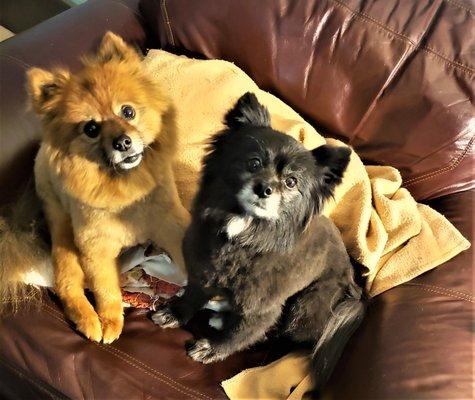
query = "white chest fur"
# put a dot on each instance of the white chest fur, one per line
(237, 225)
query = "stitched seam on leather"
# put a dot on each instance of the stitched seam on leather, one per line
(363, 16)
(145, 368)
(454, 164)
(456, 292)
(400, 36)
(38, 384)
(52, 313)
(398, 70)
(167, 22)
(444, 291)
(458, 5)
(167, 381)
(24, 64)
(430, 50)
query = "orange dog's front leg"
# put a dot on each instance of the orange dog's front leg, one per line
(172, 228)
(69, 279)
(102, 274)
(172, 220)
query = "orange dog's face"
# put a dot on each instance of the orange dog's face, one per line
(107, 114)
(108, 132)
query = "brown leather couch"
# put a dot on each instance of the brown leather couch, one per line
(393, 78)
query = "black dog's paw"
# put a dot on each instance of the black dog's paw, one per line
(164, 317)
(202, 351)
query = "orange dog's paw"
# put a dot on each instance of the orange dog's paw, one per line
(111, 328)
(90, 326)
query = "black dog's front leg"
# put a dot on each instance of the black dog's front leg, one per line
(182, 309)
(239, 332)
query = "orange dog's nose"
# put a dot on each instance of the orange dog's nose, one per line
(122, 143)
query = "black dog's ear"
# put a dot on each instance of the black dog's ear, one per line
(332, 162)
(247, 111)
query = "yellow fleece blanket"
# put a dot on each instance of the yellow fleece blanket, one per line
(382, 226)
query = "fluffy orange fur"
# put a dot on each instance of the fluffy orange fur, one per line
(94, 211)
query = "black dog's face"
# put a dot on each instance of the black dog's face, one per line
(269, 174)
(265, 174)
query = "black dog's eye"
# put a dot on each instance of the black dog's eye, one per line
(254, 164)
(128, 112)
(92, 129)
(291, 182)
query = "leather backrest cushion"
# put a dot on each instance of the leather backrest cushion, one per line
(392, 78)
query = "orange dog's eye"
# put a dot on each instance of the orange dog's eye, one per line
(128, 112)
(92, 129)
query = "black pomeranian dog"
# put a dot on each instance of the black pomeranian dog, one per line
(257, 240)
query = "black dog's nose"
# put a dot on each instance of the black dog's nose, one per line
(122, 143)
(262, 190)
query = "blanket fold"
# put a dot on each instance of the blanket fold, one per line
(383, 227)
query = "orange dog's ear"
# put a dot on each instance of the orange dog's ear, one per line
(113, 47)
(44, 88)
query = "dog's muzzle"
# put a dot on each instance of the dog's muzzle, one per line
(126, 157)
(266, 206)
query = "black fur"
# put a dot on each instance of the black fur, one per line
(248, 111)
(287, 266)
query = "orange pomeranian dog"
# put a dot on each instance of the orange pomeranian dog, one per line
(104, 176)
